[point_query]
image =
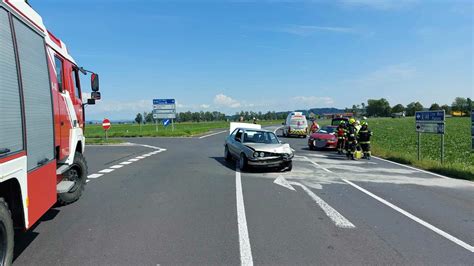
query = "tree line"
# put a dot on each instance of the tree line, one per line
(382, 108)
(374, 108)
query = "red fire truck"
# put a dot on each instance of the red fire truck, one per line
(41, 122)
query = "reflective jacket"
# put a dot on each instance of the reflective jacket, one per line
(364, 135)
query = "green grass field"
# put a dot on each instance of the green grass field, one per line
(395, 139)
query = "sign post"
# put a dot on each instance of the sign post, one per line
(106, 126)
(164, 109)
(431, 122)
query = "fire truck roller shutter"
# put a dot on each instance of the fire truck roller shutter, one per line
(37, 96)
(11, 132)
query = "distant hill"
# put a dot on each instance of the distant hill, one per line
(321, 111)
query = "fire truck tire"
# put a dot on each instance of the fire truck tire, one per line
(78, 174)
(7, 234)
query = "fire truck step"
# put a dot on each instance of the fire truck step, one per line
(64, 186)
(62, 169)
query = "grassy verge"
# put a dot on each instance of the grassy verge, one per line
(102, 141)
(395, 140)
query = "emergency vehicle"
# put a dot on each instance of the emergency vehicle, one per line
(41, 122)
(295, 124)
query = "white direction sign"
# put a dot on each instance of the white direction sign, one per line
(164, 109)
(434, 128)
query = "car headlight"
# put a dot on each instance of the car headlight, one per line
(262, 154)
(255, 154)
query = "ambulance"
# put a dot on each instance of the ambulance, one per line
(295, 124)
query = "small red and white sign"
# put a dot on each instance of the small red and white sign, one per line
(106, 124)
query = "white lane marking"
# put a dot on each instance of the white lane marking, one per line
(139, 157)
(147, 155)
(126, 163)
(338, 219)
(133, 160)
(419, 170)
(106, 171)
(88, 180)
(213, 134)
(244, 241)
(95, 176)
(414, 218)
(407, 214)
(316, 164)
(277, 130)
(116, 166)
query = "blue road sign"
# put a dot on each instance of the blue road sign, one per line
(166, 122)
(430, 116)
(164, 101)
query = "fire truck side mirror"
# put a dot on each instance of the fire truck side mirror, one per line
(95, 82)
(95, 95)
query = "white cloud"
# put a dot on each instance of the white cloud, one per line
(226, 101)
(378, 4)
(312, 101)
(205, 106)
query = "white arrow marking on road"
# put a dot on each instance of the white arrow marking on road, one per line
(284, 183)
(338, 219)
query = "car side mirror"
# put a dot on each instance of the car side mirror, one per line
(283, 123)
(90, 101)
(95, 82)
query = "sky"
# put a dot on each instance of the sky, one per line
(267, 55)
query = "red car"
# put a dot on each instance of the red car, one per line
(325, 138)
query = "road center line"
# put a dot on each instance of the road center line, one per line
(94, 175)
(116, 166)
(126, 163)
(216, 133)
(407, 214)
(106, 171)
(244, 241)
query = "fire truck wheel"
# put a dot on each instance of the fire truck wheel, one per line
(6, 234)
(78, 174)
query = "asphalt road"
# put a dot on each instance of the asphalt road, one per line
(177, 202)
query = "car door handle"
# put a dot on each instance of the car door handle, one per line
(43, 162)
(4, 150)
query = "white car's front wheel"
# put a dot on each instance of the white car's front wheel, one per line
(227, 155)
(242, 162)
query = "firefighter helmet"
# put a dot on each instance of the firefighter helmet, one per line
(352, 121)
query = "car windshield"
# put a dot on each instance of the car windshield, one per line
(254, 136)
(328, 130)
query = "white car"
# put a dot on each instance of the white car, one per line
(257, 148)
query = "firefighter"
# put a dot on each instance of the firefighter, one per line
(357, 125)
(364, 139)
(341, 133)
(351, 139)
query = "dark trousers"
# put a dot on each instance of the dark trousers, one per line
(340, 144)
(365, 148)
